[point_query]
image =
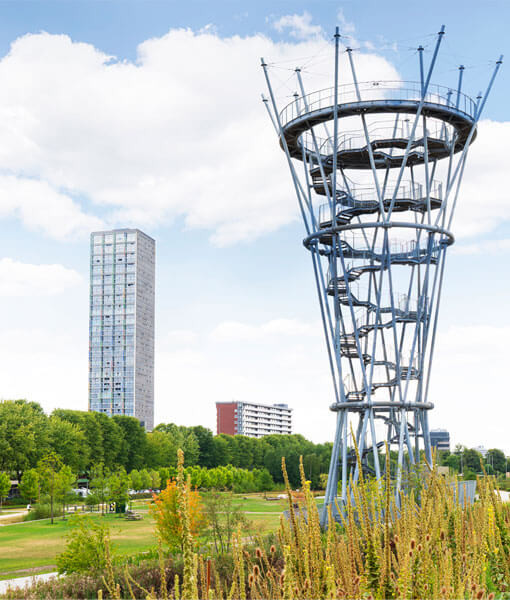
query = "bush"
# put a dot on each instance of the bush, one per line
(140, 495)
(42, 511)
(87, 546)
(224, 518)
(91, 500)
(167, 512)
(147, 575)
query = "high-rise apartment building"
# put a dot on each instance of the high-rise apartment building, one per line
(121, 332)
(253, 420)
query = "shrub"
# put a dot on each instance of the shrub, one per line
(224, 518)
(168, 509)
(42, 511)
(147, 575)
(87, 546)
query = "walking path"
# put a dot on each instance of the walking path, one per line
(12, 514)
(21, 582)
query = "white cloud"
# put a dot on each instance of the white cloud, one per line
(157, 139)
(484, 247)
(42, 208)
(234, 331)
(298, 26)
(484, 199)
(178, 337)
(23, 279)
(467, 385)
(152, 140)
(346, 26)
(44, 366)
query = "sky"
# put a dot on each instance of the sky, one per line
(148, 114)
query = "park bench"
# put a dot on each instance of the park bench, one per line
(132, 516)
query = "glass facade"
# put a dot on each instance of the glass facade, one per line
(121, 332)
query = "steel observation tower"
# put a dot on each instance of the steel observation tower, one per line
(376, 168)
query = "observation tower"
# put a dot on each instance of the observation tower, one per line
(376, 168)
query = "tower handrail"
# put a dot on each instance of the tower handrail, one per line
(379, 90)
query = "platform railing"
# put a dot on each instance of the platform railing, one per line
(386, 130)
(378, 90)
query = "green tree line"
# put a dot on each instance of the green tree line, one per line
(82, 440)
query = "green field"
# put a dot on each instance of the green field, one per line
(30, 548)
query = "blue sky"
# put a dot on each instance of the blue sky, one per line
(106, 128)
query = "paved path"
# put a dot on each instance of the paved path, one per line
(9, 515)
(21, 582)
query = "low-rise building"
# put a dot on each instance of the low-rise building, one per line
(253, 420)
(440, 439)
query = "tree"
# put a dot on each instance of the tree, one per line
(205, 441)
(181, 438)
(161, 449)
(48, 468)
(155, 480)
(64, 483)
(497, 459)
(145, 479)
(224, 518)
(29, 485)
(263, 480)
(134, 442)
(69, 442)
(312, 467)
(99, 477)
(221, 450)
(135, 480)
(472, 460)
(87, 546)
(113, 440)
(164, 476)
(23, 435)
(452, 461)
(88, 423)
(5, 486)
(118, 488)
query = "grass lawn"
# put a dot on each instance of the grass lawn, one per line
(30, 548)
(254, 504)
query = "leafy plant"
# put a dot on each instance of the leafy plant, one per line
(168, 509)
(224, 517)
(42, 510)
(29, 485)
(5, 486)
(87, 546)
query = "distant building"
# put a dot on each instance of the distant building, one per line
(482, 450)
(253, 420)
(440, 439)
(121, 348)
